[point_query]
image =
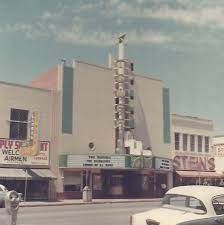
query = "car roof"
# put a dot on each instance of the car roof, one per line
(198, 191)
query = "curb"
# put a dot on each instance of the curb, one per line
(85, 203)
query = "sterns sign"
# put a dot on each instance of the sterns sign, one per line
(194, 162)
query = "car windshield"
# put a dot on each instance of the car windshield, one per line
(183, 201)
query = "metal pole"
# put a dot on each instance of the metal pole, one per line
(25, 186)
(86, 177)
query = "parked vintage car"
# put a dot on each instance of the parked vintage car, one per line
(186, 205)
(3, 192)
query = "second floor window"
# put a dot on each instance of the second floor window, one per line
(184, 142)
(206, 144)
(192, 143)
(177, 141)
(18, 124)
(199, 143)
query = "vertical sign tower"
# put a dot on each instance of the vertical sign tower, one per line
(124, 96)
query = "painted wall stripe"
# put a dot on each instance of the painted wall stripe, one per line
(67, 100)
(166, 115)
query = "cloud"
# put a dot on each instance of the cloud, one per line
(65, 26)
(211, 15)
(87, 7)
(149, 37)
(114, 2)
(105, 38)
(76, 34)
(18, 27)
(46, 15)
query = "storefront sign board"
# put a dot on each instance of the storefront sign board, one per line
(10, 153)
(193, 162)
(163, 164)
(219, 149)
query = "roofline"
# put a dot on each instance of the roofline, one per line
(191, 117)
(91, 64)
(24, 86)
(145, 76)
(219, 135)
(107, 68)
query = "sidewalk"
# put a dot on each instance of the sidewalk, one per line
(80, 202)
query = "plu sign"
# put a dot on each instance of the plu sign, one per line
(10, 153)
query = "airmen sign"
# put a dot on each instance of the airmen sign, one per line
(10, 153)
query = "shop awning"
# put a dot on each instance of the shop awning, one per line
(14, 174)
(43, 174)
(183, 173)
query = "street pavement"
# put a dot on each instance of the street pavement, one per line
(77, 212)
(82, 214)
(81, 202)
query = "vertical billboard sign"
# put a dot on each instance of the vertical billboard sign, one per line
(31, 146)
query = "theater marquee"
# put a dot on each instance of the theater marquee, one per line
(96, 161)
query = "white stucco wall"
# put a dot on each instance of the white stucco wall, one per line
(93, 111)
(21, 97)
(192, 126)
(149, 115)
(31, 99)
(218, 147)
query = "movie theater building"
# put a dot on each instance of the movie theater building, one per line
(113, 135)
(26, 126)
(193, 156)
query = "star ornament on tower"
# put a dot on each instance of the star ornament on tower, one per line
(121, 38)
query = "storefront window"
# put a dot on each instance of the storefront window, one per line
(97, 182)
(72, 181)
(117, 180)
(145, 183)
(37, 190)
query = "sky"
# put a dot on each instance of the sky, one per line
(180, 42)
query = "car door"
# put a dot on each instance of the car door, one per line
(218, 206)
(217, 220)
(198, 205)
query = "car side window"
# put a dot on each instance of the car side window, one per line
(218, 204)
(183, 201)
(175, 200)
(196, 204)
(178, 201)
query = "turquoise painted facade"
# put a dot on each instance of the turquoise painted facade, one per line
(166, 115)
(67, 100)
